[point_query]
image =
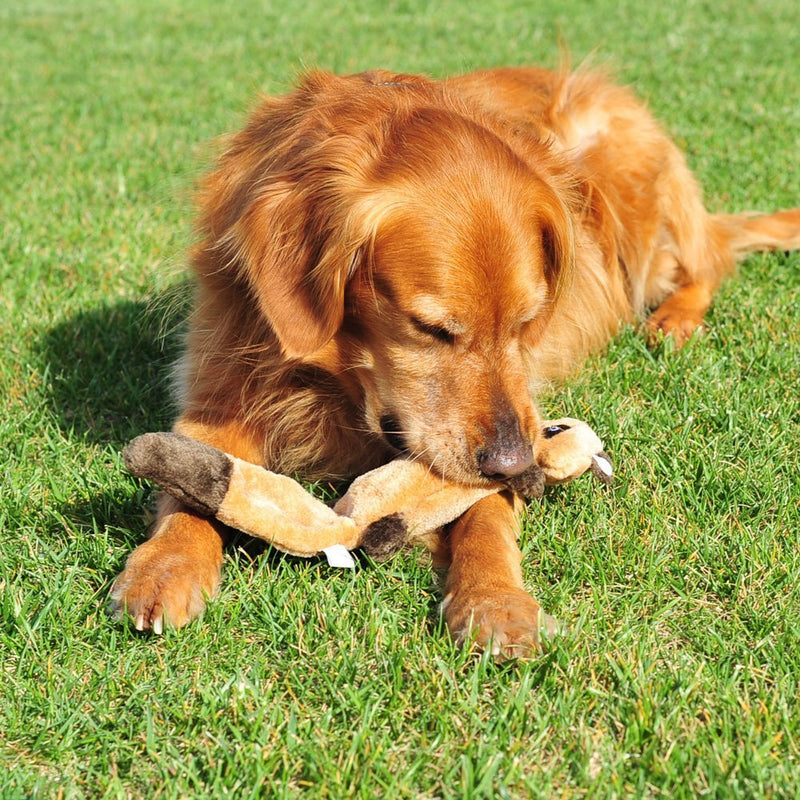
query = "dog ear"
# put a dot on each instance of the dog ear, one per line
(558, 243)
(298, 255)
(278, 212)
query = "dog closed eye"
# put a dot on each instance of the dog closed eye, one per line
(437, 332)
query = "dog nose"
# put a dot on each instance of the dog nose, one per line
(505, 463)
(508, 454)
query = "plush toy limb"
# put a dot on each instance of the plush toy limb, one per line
(191, 471)
(240, 494)
(278, 509)
(425, 500)
(381, 510)
(421, 503)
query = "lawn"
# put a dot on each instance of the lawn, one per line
(679, 676)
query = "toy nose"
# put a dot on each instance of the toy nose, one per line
(508, 453)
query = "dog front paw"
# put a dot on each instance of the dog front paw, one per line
(159, 587)
(508, 623)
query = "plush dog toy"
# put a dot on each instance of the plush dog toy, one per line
(381, 511)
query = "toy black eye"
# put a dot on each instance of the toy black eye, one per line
(436, 331)
(554, 430)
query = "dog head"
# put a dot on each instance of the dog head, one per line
(389, 236)
(459, 284)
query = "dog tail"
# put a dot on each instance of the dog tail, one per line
(748, 233)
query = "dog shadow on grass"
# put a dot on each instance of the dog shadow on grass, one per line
(107, 380)
(109, 368)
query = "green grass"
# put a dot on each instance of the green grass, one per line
(680, 675)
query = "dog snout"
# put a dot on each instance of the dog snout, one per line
(508, 453)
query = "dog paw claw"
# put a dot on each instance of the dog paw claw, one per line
(155, 590)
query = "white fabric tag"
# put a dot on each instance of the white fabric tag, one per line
(604, 465)
(339, 556)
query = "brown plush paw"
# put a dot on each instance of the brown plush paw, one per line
(509, 623)
(529, 484)
(384, 537)
(159, 588)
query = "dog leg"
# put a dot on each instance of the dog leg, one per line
(168, 578)
(485, 600)
(681, 315)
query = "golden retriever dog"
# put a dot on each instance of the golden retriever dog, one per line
(390, 264)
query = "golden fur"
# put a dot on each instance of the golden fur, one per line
(386, 261)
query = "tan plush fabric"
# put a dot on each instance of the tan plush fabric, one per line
(381, 510)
